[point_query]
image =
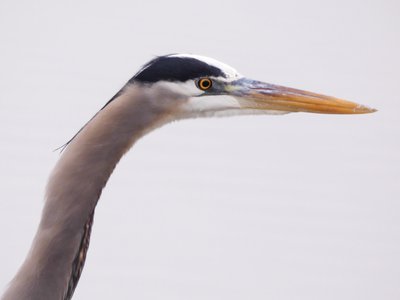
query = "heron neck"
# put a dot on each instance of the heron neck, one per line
(74, 188)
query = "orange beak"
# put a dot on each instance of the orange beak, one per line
(259, 95)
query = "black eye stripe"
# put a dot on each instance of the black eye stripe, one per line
(170, 68)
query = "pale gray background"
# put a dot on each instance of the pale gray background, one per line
(291, 207)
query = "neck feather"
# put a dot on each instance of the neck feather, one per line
(55, 261)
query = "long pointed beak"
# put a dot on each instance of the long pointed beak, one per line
(264, 96)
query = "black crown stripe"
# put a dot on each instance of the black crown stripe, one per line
(172, 68)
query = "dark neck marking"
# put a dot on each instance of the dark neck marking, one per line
(80, 258)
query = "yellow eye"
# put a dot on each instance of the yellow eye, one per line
(204, 84)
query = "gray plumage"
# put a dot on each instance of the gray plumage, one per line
(75, 187)
(168, 88)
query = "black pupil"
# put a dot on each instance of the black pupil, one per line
(205, 83)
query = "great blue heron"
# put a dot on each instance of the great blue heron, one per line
(170, 87)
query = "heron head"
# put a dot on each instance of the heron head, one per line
(212, 88)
